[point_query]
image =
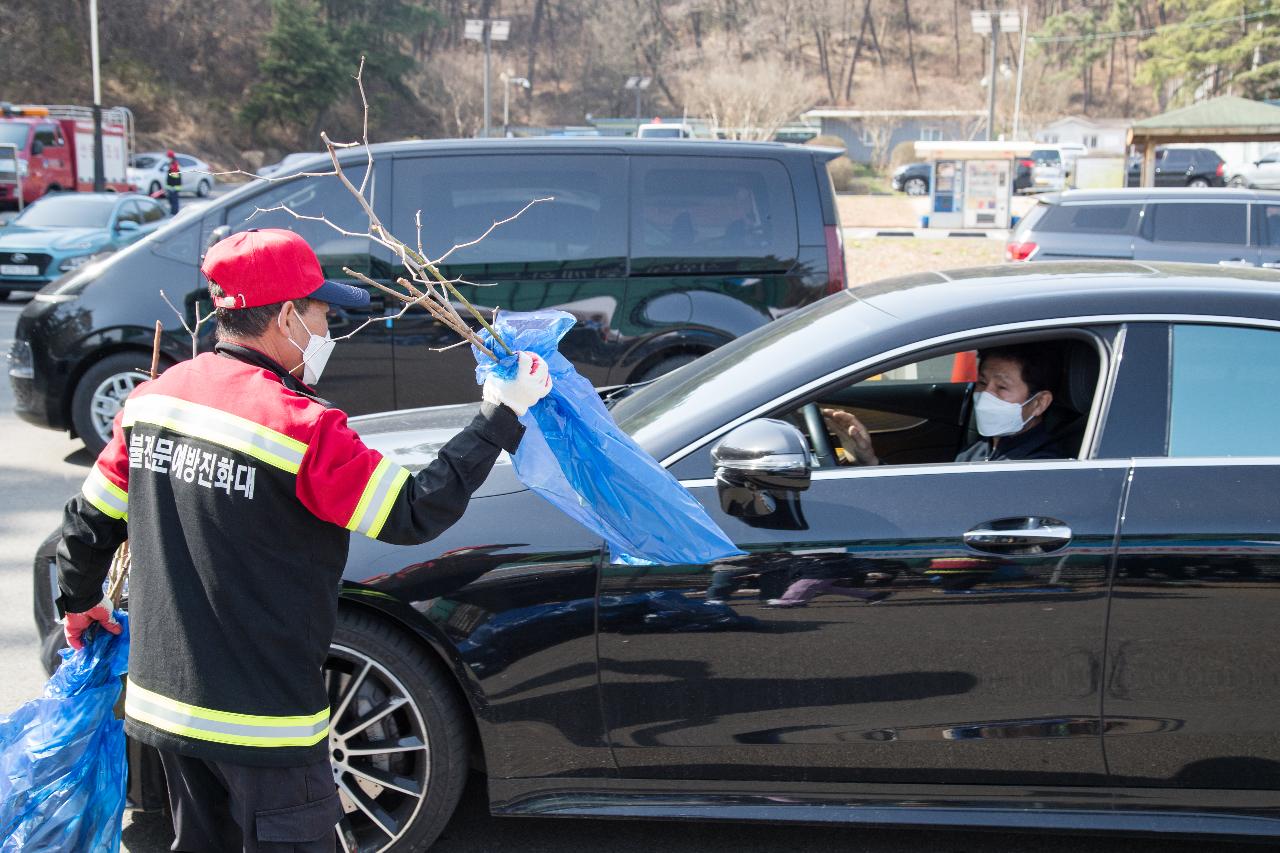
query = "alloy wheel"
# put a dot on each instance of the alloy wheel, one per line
(108, 398)
(379, 749)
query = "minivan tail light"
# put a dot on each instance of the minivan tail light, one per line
(1218, 171)
(1016, 251)
(836, 278)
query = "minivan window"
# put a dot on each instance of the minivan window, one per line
(309, 196)
(582, 228)
(721, 213)
(1221, 403)
(1268, 216)
(1045, 156)
(1091, 218)
(1198, 223)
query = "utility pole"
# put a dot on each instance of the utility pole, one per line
(991, 24)
(1022, 61)
(507, 79)
(99, 179)
(486, 30)
(638, 84)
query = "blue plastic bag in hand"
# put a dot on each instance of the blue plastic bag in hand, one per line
(62, 756)
(574, 455)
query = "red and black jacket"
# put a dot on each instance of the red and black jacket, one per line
(238, 490)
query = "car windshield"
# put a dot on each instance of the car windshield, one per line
(69, 211)
(145, 161)
(1044, 158)
(13, 134)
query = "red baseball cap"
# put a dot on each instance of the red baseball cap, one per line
(263, 266)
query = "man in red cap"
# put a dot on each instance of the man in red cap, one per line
(173, 182)
(238, 489)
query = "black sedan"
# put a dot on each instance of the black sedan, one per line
(1081, 642)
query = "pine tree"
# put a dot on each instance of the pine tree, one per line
(301, 74)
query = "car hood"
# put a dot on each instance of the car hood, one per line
(17, 237)
(413, 438)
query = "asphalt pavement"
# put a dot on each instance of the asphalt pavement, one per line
(40, 469)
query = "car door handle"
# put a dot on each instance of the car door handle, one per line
(1030, 535)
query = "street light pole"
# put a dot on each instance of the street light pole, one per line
(99, 178)
(992, 24)
(991, 85)
(507, 80)
(1022, 59)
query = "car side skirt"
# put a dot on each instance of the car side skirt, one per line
(1128, 811)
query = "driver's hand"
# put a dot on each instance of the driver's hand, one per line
(853, 436)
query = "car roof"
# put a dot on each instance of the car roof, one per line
(1135, 194)
(868, 321)
(582, 145)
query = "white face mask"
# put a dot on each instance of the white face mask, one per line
(316, 354)
(998, 417)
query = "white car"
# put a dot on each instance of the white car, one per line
(664, 130)
(148, 169)
(1263, 173)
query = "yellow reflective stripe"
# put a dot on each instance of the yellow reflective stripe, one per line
(224, 726)
(216, 426)
(392, 493)
(376, 500)
(369, 488)
(109, 498)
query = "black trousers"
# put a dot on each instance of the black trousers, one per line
(172, 195)
(219, 807)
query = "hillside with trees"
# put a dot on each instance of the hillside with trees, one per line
(222, 78)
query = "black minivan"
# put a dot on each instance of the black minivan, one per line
(662, 250)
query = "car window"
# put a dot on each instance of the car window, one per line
(1046, 156)
(130, 211)
(186, 162)
(323, 196)
(70, 210)
(729, 213)
(1177, 158)
(922, 412)
(151, 212)
(1091, 218)
(1268, 219)
(144, 161)
(583, 226)
(1199, 223)
(1222, 401)
(49, 136)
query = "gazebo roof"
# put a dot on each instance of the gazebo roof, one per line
(1225, 119)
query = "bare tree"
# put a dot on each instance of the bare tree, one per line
(750, 100)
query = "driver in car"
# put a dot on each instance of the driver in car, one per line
(1011, 396)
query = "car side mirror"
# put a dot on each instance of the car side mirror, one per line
(127, 225)
(759, 469)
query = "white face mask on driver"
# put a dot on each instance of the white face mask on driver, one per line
(996, 417)
(315, 355)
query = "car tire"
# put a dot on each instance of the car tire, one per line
(665, 365)
(101, 392)
(154, 188)
(1239, 182)
(389, 668)
(202, 189)
(1197, 182)
(915, 186)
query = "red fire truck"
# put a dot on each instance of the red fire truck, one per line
(49, 148)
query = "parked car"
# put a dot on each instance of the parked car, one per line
(1263, 173)
(288, 162)
(1222, 226)
(662, 250)
(62, 233)
(664, 130)
(148, 171)
(1048, 171)
(1182, 167)
(1081, 641)
(913, 178)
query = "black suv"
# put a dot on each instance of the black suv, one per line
(662, 250)
(1182, 167)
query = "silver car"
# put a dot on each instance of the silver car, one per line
(1231, 227)
(148, 170)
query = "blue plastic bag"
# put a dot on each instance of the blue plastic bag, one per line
(62, 757)
(574, 455)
